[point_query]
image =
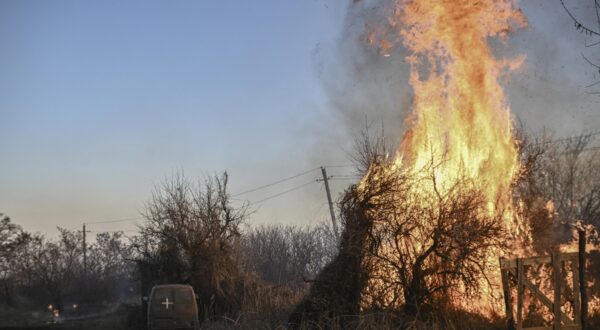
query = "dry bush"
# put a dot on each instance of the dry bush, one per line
(276, 261)
(286, 255)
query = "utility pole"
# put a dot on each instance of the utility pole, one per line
(333, 221)
(84, 252)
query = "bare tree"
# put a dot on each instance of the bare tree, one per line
(12, 241)
(191, 230)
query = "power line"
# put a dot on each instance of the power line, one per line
(116, 220)
(112, 231)
(74, 227)
(283, 192)
(234, 195)
(566, 138)
(107, 221)
(338, 166)
(582, 150)
(274, 183)
(340, 179)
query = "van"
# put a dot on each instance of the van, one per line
(172, 306)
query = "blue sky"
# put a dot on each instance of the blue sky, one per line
(100, 100)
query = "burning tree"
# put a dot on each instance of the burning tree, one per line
(404, 251)
(431, 249)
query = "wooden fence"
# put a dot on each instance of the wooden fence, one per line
(515, 270)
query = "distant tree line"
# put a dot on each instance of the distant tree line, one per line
(192, 234)
(38, 271)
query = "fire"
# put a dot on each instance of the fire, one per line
(461, 125)
(460, 114)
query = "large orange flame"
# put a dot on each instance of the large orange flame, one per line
(460, 114)
(460, 119)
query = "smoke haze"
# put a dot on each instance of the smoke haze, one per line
(547, 92)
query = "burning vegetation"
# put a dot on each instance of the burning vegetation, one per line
(461, 190)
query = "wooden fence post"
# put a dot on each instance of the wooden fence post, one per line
(576, 292)
(556, 267)
(520, 291)
(582, 282)
(510, 321)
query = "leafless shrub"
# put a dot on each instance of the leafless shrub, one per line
(286, 255)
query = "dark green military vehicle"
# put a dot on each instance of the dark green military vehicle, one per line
(172, 306)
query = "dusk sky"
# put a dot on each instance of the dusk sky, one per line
(101, 100)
